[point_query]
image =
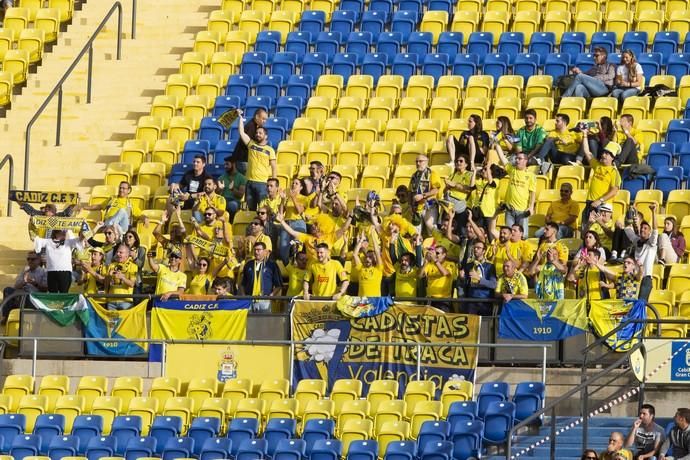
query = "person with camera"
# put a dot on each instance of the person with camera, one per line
(521, 192)
(424, 187)
(561, 145)
(591, 282)
(323, 275)
(121, 278)
(190, 187)
(261, 164)
(644, 237)
(478, 281)
(596, 81)
(170, 280)
(512, 284)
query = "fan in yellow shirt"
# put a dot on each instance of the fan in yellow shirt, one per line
(322, 276)
(407, 271)
(371, 270)
(440, 273)
(323, 231)
(296, 270)
(171, 280)
(121, 278)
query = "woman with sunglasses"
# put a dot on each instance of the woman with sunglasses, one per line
(629, 76)
(112, 239)
(589, 454)
(202, 279)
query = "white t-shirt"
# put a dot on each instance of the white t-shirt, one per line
(623, 72)
(58, 256)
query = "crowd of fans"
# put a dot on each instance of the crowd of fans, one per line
(438, 238)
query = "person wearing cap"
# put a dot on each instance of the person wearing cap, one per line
(170, 280)
(605, 180)
(33, 278)
(232, 185)
(261, 164)
(94, 273)
(600, 221)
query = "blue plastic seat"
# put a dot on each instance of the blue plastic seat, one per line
(488, 393)
(363, 450)
(312, 21)
(411, 5)
(314, 64)
(225, 103)
(557, 64)
(666, 43)
(635, 41)
(178, 448)
(300, 86)
(317, 429)
(481, 44)
(573, 43)
(144, 446)
(284, 64)
(404, 22)
(211, 131)
(684, 161)
(435, 65)
(101, 446)
(467, 438)
(328, 43)
(498, 421)
(359, 44)
(526, 65)
(48, 426)
(686, 43)
(511, 44)
(420, 43)
(606, 40)
(290, 449)
(224, 148)
(389, 43)
(270, 86)
(441, 450)
(239, 86)
(385, 6)
(634, 185)
(405, 64)
(276, 430)
(374, 22)
(216, 448)
(614, 58)
(441, 5)
(255, 103)
(276, 128)
(252, 449)
(268, 41)
(375, 65)
(659, 159)
(126, 427)
(542, 44)
(203, 428)
(450, 43)
(11, 425)
(253, 63)
(678, 131)
(194, 147)
(528, 399)
(684, 148)
(63, 446)
(668, 178)
(433, 431)
(87, 427)
(289, 108)
(352, 5)
(465, 65)
(461, 411)
(25, 445)
(495, 64)
(662, 147)
(650, 62)
(344, 64)
(298, 42)
(240, 430)
(401, 450)
(584, 61)
(165, 427)
(177, 171)
(678, 65)
(326, 449)
(343, 21)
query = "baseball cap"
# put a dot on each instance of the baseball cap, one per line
(95, 249)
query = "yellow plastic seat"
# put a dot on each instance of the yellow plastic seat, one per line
(456, 390)
(48, 20)
(469, 5)
(295, 6)
(392, 410)
(17, 386)
(480, 86)
(16, 62)
(450, 86)
(357, 409)
(322, 151)
(304, 130)
(539, 86)
(108, 407)
(149, 129)
(181, 129)
(418, 390)
(507, 107)
(351, 153)
(475, 106)
(374, 177)
(318, 408)
(603, 107)
(392, 431)
(6, 42)
(319, 109)
(52, 387)
(193, 64)
(164, 107)
(32, 41)
(678, 204)
(252, 22)
(345, 390)
(92, 387)
(182, 407)
(355, 430)
(663, 301)
(164, 388)
(444, 110)
(411, 109)
(196, 107)
(678, 279)
(650, 21)
(336, 130)
(31, 406)
(637, 106)
(126, 388)
(678, 21)
(428, 131)
(221, 21)
(381, 390)
(421, 86)
(381, 108)
(510, 86)
(290, 152)
(220, 408)
(65, 7)
(390, 86)
(178, 85)
(526, 22)
(619, 22)
(496, 22)
(16, 20)
(434, 22)
(403, 173)
(283, 22)
(207, 42)
(465, 22)
(423, 411)
(557, 21)
(199, 389)
(574, 107)
(398, 131)
(283, 408)
(310, 389)
(223, 64)
(152, 175)
(674, 331)
(239, 226)
(250, 408)
(360, 86)
(237, 42)
(350, 108)
(133, 152)
(329, 86)
(70, 406)
(572, 174)
(367, 131)
(684, 304)
(666, 108)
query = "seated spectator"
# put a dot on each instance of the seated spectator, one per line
(261, 277)
(261, 164)
(589, 454)
(644, 238)
(615, 444)
(596, 81)
(191, 185)
(478, 281)
(671, 242)
(440, 275)
(560, 146)
(504, 138)
(630, 139)
(208, 199)
(678, 440)
(645, 437)
(94, 273)
(323, 275)
(255, 233)
(232, 185)
(120, 210)
(629, 76)
(531, 136)
(371, 270)
(563, 213)
(511, 284)
(170, 280)
(474, 142)
(32, 278)
(121, 278)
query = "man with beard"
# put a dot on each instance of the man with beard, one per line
(645, 244)
(261, 165)
(478, 279)
(241, 154)
(209, 199)
(531, 136)
(231, 185)
(322, 276)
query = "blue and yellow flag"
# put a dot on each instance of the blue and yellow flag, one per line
(223, 319)
(363, 307)
(606, 315)
(543, 320)
(120, 324)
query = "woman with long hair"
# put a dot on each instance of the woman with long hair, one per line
(591, 282)
(671, 242)
(629, 76)
(138, 254)
(589, 454)
(202, 278)
(474, 142)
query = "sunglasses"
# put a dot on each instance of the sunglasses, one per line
(109, 233)
(261, 213)
(256, 223)
(209, 214)
(565, 191)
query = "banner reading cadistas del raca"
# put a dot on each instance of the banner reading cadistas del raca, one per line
(322, 323)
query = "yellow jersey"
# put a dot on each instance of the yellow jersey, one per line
(520, 184)
(324, 277)
(602, 179)
(130, 271)
(169, 281)
(438, 285)
(259, 164)
(370, 281)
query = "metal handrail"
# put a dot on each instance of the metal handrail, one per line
(9, 159)
(57, 90)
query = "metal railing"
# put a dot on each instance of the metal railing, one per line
(57, 90)
(9, 160)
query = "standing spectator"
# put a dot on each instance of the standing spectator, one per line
(94, 273)
(371, 270)
(316, 173)
(458, 189)
(629, 76)
(292, 206)
(394, 244)
(232, 185)
(121, 278)
(256, 233)
(33, 278)
(627, 282)
(171, 280)
(329, 194)
(563, 213)
(561, 145)
(190, 186)
(240, 155)
(671, 242)
(512, 284)
(177, 234)
(58, 251)
(592, 283)
(202, 278)
(521, 191)
(645, 243)
(645, 436)
(497, 252)
(261, 164)
(483, 201)
(425, 186)
(49, 210)
(260, 277)
(478, 280)
(615, 444)
(440, 275)
(138, 252)
(321, 231)
(531, 136)
(601, 223)
(407, 269)
(474, 142)
(323, 275)
(296, 270)
(273, 198)
(112, 239)
(596, 81)
(120, 210)
(550, 265)
(209, 199)
(605, 180)
(679, 438)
